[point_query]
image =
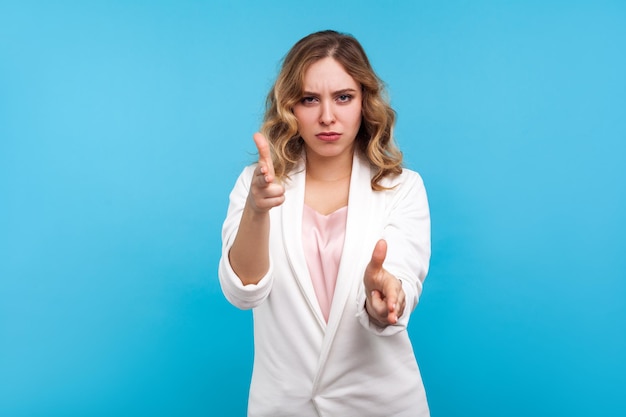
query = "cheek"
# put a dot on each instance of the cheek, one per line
(304, 119)
(356, 117)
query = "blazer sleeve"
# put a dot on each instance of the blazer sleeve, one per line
(241, 296)
(407, 232)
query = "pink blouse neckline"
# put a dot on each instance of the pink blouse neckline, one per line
(322, 240)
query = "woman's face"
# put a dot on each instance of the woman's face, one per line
(329, 113)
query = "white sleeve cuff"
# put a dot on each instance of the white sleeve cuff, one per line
(244, 296)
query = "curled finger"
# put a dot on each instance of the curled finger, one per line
(377, 306)
(401, 303)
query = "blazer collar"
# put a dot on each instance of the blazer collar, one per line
(292, 210)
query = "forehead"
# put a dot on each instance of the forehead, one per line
(328, 73)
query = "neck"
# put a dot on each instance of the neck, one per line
(329, 169)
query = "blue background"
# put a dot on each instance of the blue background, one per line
(123, 125)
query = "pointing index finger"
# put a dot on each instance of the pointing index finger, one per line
(265, 155)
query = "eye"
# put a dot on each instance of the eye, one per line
(344, 98)
(308, 100)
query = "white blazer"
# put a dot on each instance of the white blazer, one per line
(304, 366)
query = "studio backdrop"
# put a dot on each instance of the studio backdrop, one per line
(124, 124)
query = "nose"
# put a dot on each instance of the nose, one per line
(327, 115)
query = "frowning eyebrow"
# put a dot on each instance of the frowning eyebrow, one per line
(334, 93)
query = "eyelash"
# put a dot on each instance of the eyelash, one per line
(347, 98)
(342, 98)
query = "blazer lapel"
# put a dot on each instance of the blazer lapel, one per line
(355, 254)
(292, 236)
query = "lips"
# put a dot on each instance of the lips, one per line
(328, 136)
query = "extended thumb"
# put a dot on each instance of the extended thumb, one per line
(379, 254)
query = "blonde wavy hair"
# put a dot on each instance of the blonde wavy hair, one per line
(375, 137)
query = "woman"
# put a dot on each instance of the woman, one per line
(327, 239)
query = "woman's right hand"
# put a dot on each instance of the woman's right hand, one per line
(264, 192)
(249, 255)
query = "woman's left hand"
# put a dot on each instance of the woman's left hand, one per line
(385, 297)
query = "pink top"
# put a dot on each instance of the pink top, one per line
(322, 239)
